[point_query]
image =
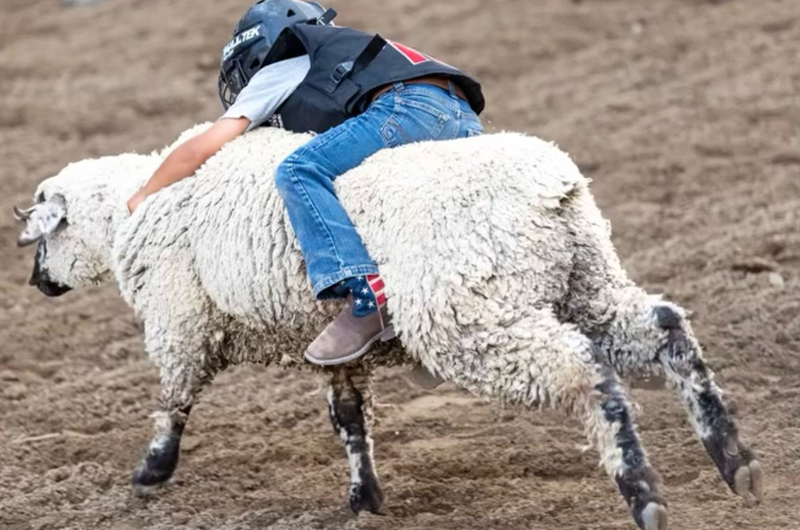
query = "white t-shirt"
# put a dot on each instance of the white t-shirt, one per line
(267, 90)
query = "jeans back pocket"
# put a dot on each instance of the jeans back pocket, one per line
(413, 121)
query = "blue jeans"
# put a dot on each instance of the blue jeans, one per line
(332, 248)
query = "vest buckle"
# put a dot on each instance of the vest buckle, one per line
(341, 71)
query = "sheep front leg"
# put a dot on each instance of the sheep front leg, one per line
(350, 412)
(178, 339)
(182, 379)
(157, 278)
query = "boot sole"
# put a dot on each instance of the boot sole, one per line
(384, 336)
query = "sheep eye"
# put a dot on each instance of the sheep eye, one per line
(40, 197)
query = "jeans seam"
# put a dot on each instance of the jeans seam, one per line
(290, 168)
(430, 109)
(442, 119)
(320, 145)
(391, 120)
(393, 142)
(444, 99)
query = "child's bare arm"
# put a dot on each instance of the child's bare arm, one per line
(189, 156)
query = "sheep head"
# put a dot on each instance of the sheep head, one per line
(43, 220)
(72, 221)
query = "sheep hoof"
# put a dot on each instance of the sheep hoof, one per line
(158, 464)
(748, 483)
(738, 467)
(654, 517)
(366, 496)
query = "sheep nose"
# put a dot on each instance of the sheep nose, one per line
(37, 275)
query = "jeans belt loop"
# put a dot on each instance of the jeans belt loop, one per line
(399, 85)
(452, 88)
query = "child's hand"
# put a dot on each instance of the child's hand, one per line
(136, 200)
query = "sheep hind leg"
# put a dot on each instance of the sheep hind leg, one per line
(683, 365)
(540, 360)
(350, 412)
(651, 336)
(609, 412)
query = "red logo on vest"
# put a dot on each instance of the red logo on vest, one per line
(411, 54)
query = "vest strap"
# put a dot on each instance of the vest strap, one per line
(327, 17)
(367, 55)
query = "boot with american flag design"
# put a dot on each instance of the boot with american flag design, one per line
(362, 322)
(368, 294)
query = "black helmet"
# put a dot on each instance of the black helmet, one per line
(254, 37)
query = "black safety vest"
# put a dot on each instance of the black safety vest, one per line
(347, 66)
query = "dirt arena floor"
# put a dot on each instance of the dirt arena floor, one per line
(683, 112)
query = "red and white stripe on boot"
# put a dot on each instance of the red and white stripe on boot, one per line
(376, 285)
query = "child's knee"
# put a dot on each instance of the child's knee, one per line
(286, 172)
(283, 178)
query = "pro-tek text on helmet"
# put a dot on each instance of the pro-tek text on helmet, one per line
(240, 39)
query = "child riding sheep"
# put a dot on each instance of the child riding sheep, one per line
(288, 66)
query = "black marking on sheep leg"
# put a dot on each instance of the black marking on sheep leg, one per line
(161, 459)
(346, 411)
(684, 365)
(637, 481)
(736, 463)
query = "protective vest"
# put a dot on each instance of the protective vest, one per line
(346, 67)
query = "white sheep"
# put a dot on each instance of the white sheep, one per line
(500, 274)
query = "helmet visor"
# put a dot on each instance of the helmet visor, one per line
(226, 95)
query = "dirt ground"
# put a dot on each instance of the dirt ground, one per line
(684, 112)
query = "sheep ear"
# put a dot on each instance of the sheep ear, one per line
(42, 220)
